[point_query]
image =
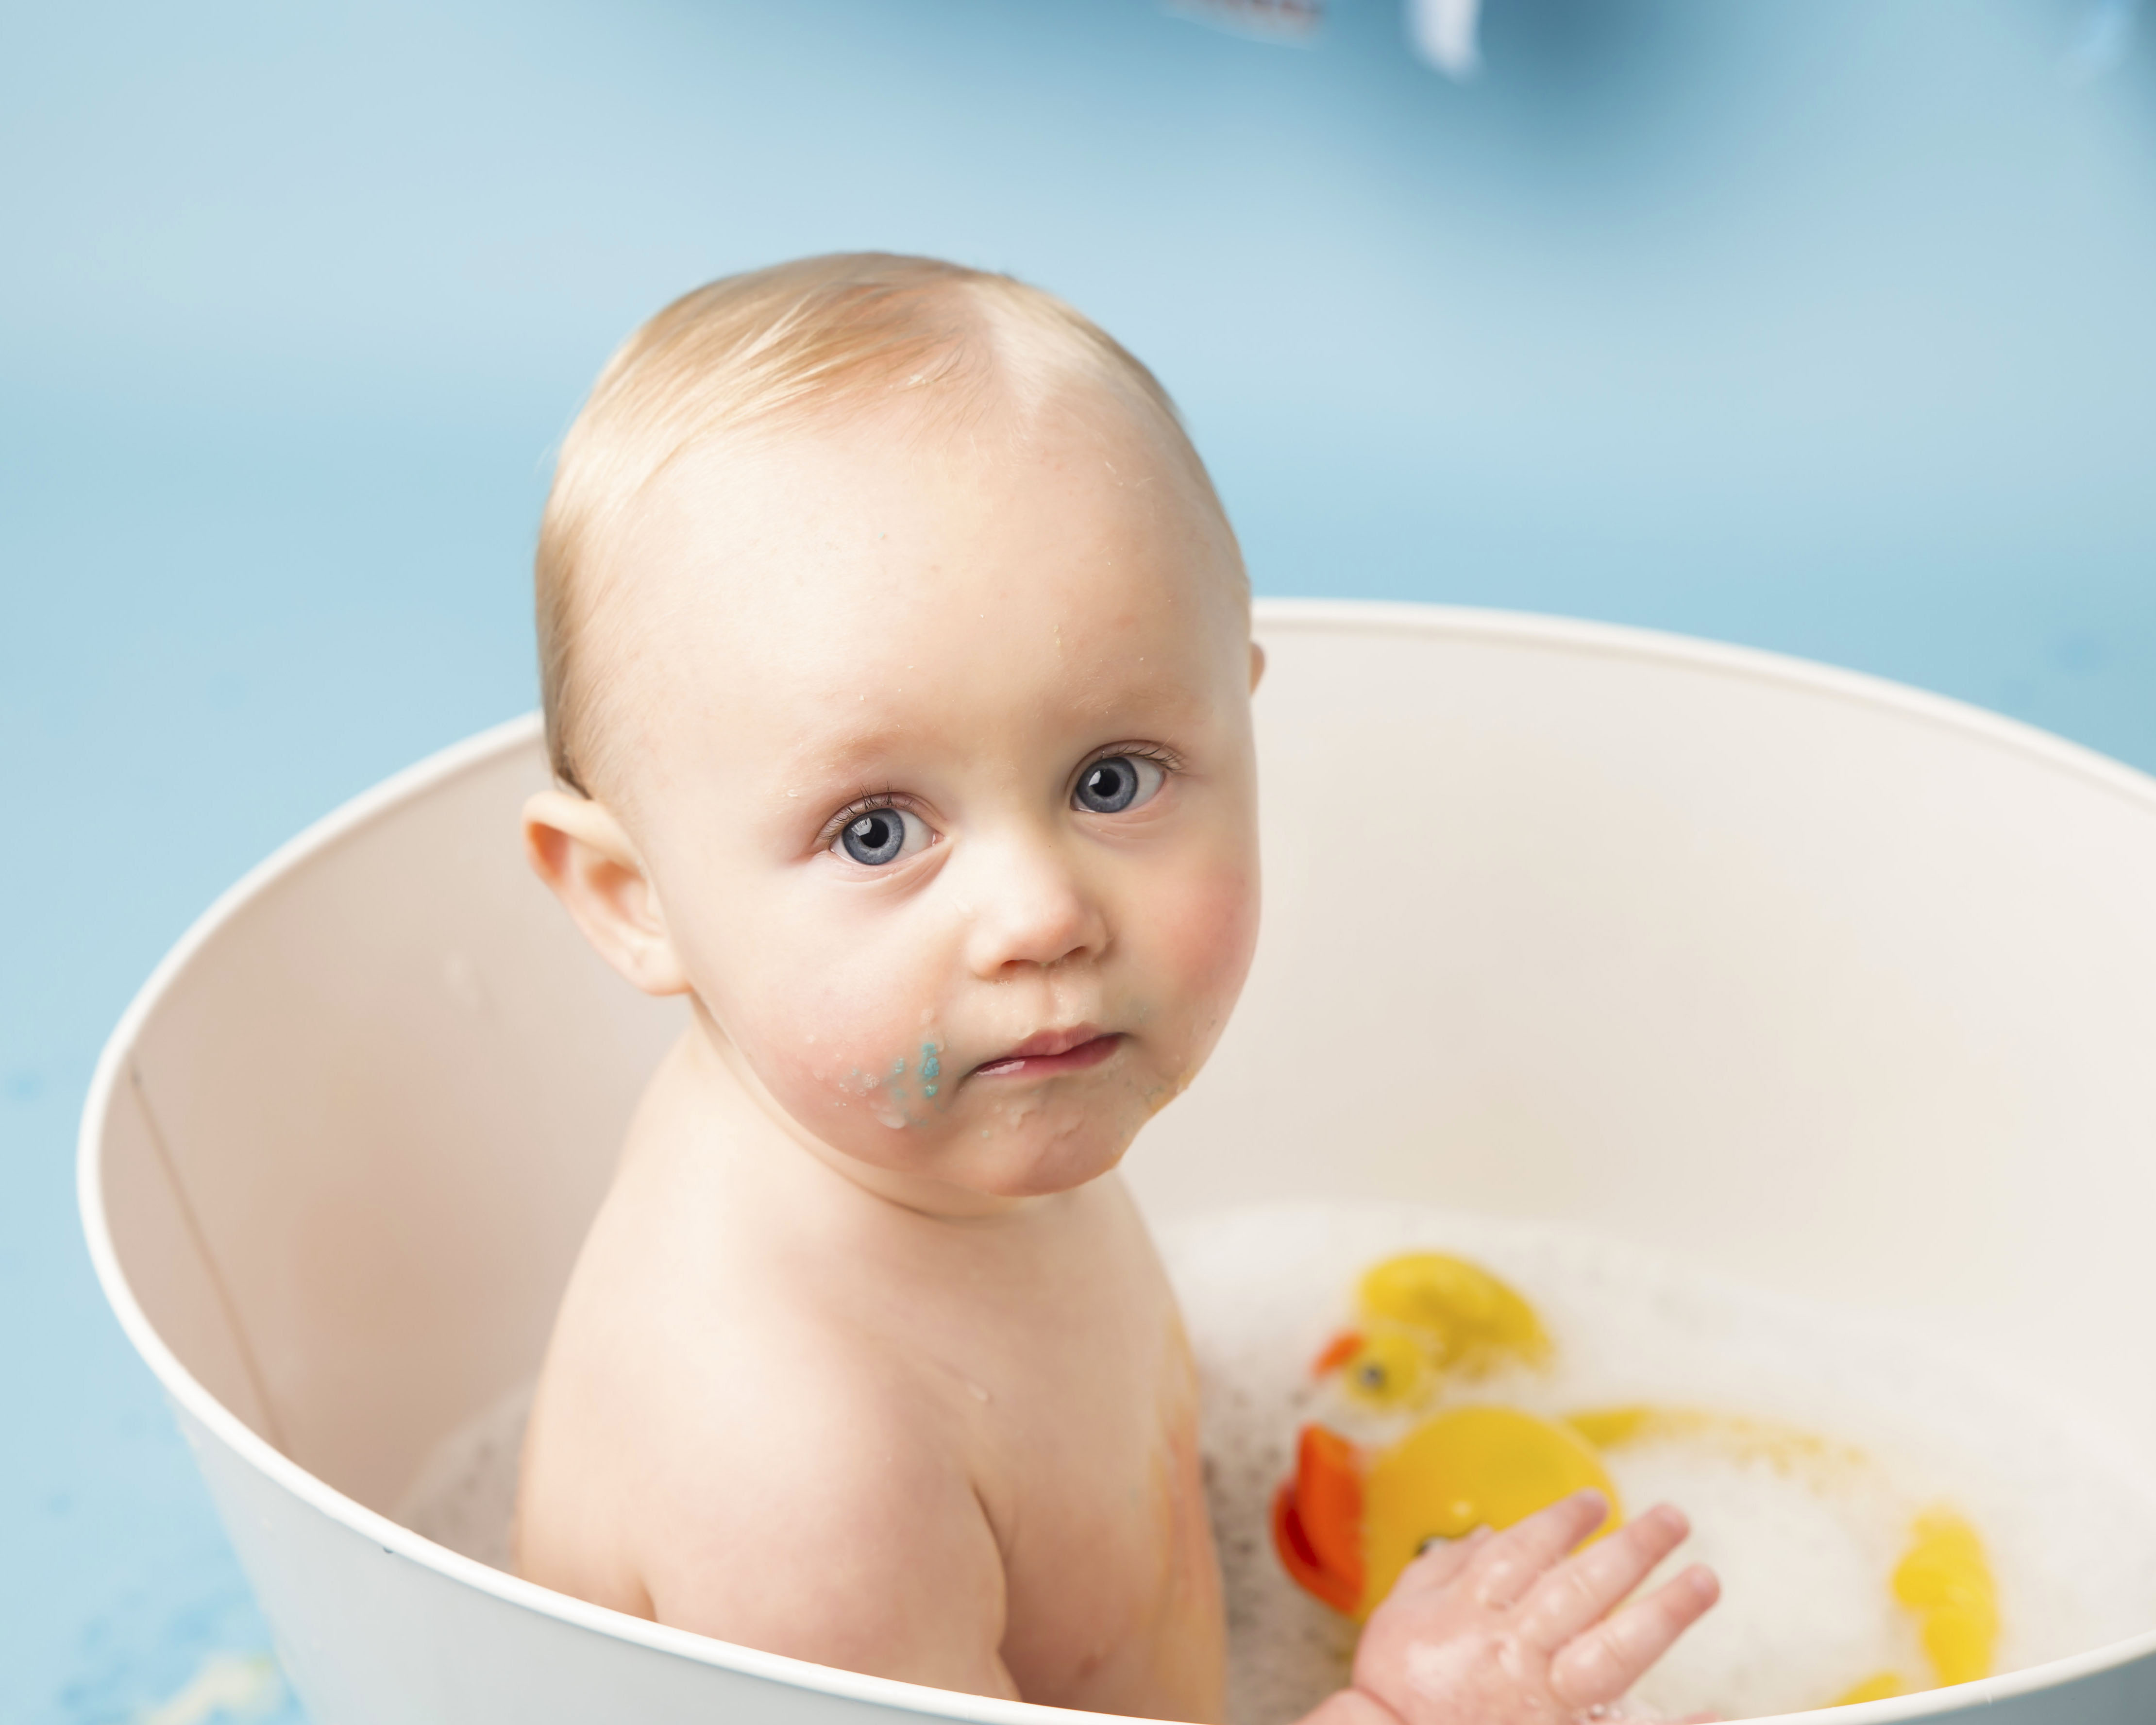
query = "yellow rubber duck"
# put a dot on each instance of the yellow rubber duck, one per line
(1353, 1516)
(1944, 1581)
(1351, 1519)
(1428, 1317)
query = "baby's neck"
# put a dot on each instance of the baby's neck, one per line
(729, 1090)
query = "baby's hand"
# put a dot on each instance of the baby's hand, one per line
(1504, 1629)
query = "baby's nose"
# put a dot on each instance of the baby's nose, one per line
(1030, 907)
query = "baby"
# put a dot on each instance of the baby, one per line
(897, 667)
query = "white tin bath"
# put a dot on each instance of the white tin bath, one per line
(1822, 982)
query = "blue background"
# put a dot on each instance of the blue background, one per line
(1827, 326)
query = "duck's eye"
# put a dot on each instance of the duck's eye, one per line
(882, 836)
(1117, 784)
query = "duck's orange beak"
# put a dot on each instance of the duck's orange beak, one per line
(1317, 1520)
(1341, 1348)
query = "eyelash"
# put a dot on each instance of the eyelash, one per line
(1169, 762)
(868, 802)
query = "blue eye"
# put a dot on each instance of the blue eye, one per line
(1117, 784)
(882, 836)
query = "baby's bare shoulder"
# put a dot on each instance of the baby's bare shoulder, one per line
(772, 1474)
(811, 1499)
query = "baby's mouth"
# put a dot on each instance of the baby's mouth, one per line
(1048, 1052)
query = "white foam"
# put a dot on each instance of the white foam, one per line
(464, 1494)
(1806, 1609)
(1804, 1562)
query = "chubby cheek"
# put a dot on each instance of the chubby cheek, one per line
(848, 1068)
(847, 1041)
(1198, 935)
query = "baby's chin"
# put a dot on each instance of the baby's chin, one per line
(1028, 1171)
(982, 1152)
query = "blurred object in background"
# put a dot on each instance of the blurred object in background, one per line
(1443, 33)
(1270, 20)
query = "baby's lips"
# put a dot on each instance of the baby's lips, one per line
(1044, 1046)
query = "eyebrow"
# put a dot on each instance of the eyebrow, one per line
(855, 751)
(839, 753)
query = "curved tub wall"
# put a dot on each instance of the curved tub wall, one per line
(388, 1089)
(1830, 985)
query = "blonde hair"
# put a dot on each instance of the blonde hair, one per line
(795, 342)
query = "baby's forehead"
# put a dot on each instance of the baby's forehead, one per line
(1003, 506)
(836, 588)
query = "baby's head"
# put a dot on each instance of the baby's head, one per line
(897, 663)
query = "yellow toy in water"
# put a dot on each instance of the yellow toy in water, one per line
(1353, 1516)
(1945, 1581)
(1426, 1316)
(1351, 1519)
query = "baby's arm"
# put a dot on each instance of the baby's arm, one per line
(838, 1525)
(1504, 1630)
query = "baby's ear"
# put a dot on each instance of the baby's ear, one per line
(1257, 665)
(577, 848)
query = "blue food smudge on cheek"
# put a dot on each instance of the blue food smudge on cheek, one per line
(931, 1069)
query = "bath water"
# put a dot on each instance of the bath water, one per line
(1804, 1554)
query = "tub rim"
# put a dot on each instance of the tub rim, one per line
(1546, 633)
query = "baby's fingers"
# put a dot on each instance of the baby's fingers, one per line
(1439, 1564)
(1602, 1664)
(1583, 1587)
(1512, 1561)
